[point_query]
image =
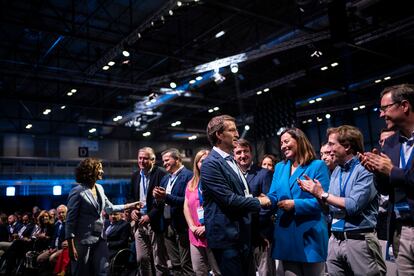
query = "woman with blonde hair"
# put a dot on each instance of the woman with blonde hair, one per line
(201, 256)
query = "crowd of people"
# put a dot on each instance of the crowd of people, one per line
(351, 212)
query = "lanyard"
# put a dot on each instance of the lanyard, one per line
(405, 165)
(172, 180)
(342, 188)
(200, 194)
(144, 182)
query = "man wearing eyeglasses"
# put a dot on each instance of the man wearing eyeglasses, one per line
(393, 168)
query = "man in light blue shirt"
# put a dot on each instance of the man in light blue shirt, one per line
(353, 199)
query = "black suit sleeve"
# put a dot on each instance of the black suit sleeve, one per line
(121, 238)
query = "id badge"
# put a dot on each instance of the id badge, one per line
(338, 225)
(246, 194)
(401, 208)
(200, 214)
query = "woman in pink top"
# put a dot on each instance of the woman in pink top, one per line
(201, 256)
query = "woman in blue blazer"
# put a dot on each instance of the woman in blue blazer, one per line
(301, 235)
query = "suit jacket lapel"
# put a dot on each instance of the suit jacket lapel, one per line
(90, 197)
(236, 179)
(297, 174)
(101, 193)
(395, 146)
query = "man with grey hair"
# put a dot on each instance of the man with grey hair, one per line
(170, 197)
(149, 239)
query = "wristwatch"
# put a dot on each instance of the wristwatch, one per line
(324, 196)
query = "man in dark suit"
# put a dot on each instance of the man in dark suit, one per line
(394, 172)
(149, 238)
(171, 194)
(228, 202)
(117, 234)
(259, 181)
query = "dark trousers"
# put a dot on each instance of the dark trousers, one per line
(234, 261)
(92, 259)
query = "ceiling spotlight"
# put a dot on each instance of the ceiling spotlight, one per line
(146, 134)
(216, 108)
(361, 106)
(125, 61)
(355, 108)
(106, 67)
(312, 101)
(246, 127)
(210, 110)
(149, 112)
(111, 63)
(334, 64)
(316, 53)
(173, 85)
(46, 111)
(117, 118)
(377, 81)
(148, 103)
(218, 78)
(170, 12)
(328, 116)
(234, 68)
(387, 78)
(125, 53)
(73, 90)
(92, 130)
(139, 35)
(319, 119)
(152, 23)
(324, 68)
(199, 78)
(219, 34)
(29, 126)
(191, 81)
(69, 94)
(309, 120)
(304, 122)
(179, 3)
(259, 92)
(375, 109)
(318, 99)
(266, 90)
(193, 137)
(63, 107)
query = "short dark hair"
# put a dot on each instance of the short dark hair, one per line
(244, 143)
(348, 136)
(87, 171)
(175, 153)
(400, 93)
(216, 125)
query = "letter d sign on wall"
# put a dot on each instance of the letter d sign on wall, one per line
(83, 152)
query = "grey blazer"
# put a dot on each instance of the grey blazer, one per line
(84, 220)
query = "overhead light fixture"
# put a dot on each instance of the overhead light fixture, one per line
(324, 68)
(69, 94)
(125, 62)
(312, 101)
(304, 122)
(173, 85)
(318, 99)
(146, 134)
(319, 119)
(46, 111)
(316, 53)
(149, 112)
(92, 130)
(309, 120)
(387, 78)
(246, 127)
(153, 100)
(106, 67)
(29, 126)
(216, 108)
(377, 81)
(334, 64)
(193, 137)
(355, 108)
(361, 106)
(218, 78)
(125, 53)
(375, 109)
(191, 81)
(259, 92)
(266, 90)
(177, 123)
(328, 116)
(210, 110)
(234, 68)
(179, 3)
(117, 118)
(199, 78)
(219, 34)
(139, 35)
(73, 90)
(111, 63)
(63, 107)
(170, 12)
